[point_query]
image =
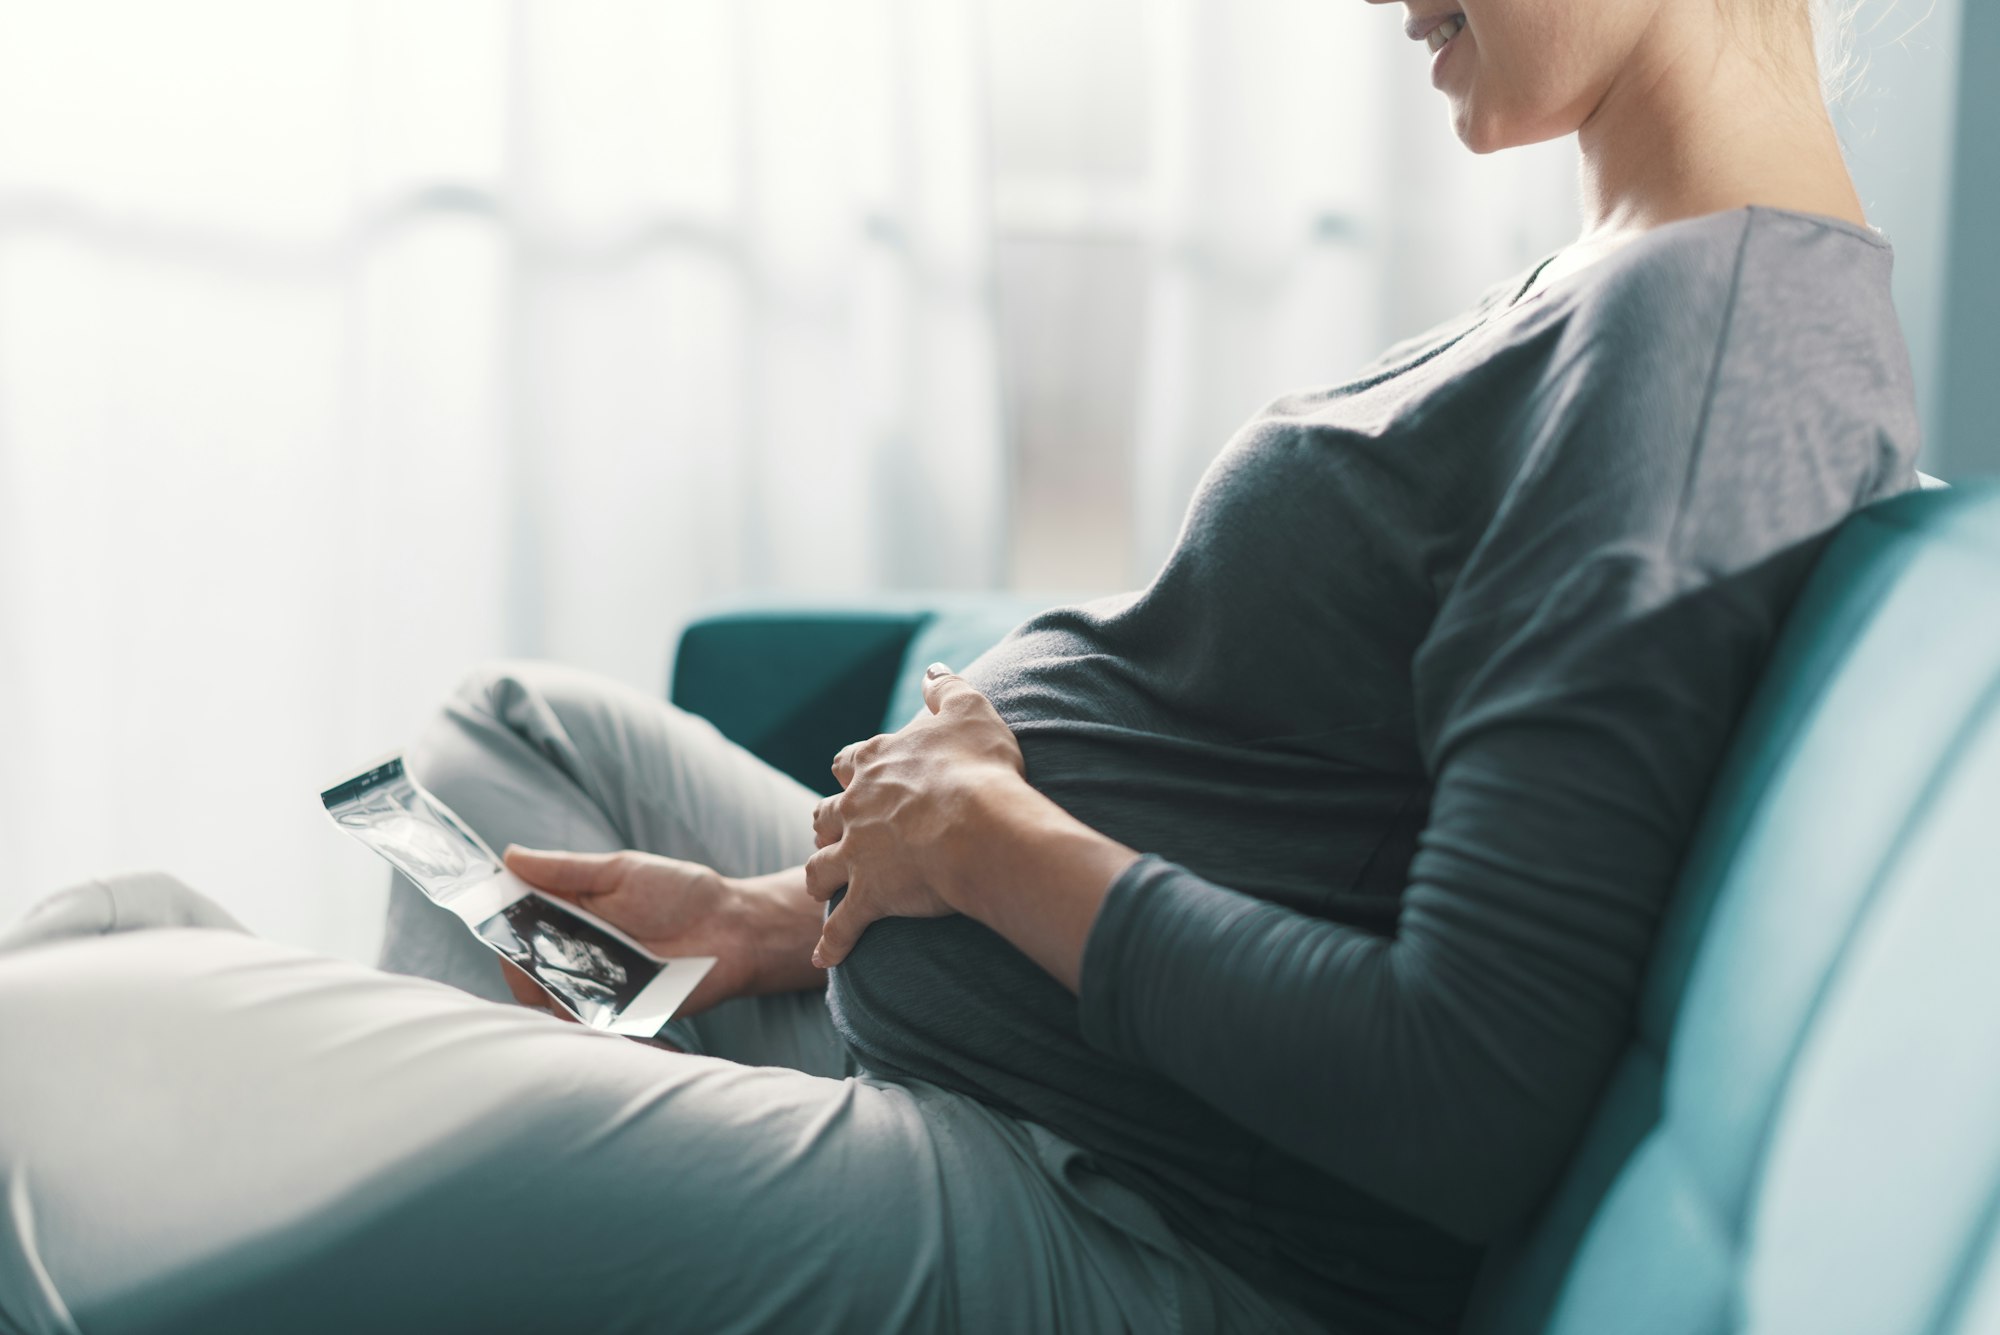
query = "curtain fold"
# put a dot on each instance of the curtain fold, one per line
(1310, 206)
(347, 343)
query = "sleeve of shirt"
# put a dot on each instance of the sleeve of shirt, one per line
(1575, 695)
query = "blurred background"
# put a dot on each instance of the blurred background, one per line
(346, 344)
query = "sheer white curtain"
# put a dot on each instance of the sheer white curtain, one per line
(1310, 206)
(346, 343)
(1202, 204)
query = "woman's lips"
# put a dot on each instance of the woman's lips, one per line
(1420, 26)
(1442, 41)
(1449, 28)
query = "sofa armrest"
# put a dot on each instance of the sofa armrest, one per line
(794, 682)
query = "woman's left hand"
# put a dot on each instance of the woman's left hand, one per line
(911, 806)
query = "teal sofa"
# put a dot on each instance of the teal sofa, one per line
(1804, 1133)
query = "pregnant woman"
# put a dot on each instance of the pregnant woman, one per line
(1240, 954)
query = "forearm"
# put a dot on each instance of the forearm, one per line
(1035, 874)
(778, 923)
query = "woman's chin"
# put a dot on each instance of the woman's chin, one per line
(1479, 133)
(1484, 131)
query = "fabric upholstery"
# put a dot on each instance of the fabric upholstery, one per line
(795, 683)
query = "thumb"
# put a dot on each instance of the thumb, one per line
(939, 681)
(843, 927)
(531, 993)
(570, 875)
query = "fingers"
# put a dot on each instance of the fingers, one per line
(827, 822)
(843, 763)
(571, 875)
(842, 929)
(826, 872)
(531, 993)
(945, 689)
(935, 677)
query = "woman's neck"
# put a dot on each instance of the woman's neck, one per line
(1698, 123)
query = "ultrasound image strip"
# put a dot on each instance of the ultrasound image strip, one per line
(389, 771)
(605, 979)
(585, 966)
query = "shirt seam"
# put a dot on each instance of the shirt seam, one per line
(1699, 445)
(1868, 235)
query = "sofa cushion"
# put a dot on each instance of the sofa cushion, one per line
(958, 631)
(1805, 1134)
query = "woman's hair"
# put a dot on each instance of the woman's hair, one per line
(1841, 67)
(1774, 26)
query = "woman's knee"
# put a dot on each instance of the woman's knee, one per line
(517, 728)
(504, 710)
(468, 740)
(129, 901)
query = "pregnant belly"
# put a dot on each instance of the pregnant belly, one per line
(946, 1001)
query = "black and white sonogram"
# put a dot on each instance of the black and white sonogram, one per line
(588, 969)
(606, 978)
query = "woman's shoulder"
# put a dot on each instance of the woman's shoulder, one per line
(1757, 314)
(1749, 364)
(1673, 292)
(1811, 276)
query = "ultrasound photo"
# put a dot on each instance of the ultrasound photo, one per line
(604, 978)
(590, 971)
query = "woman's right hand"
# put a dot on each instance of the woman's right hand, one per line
(761, 930)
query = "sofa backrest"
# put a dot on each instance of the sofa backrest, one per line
(1805, 1134)
(794, 681)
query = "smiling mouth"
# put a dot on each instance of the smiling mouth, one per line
(1444, 32)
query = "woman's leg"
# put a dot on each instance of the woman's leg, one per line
(209, 1132)
(548, 757)
(140, 900)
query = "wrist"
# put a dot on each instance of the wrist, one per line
(774, 924)
(988, 820)
(1011, 833)
(1027, 869)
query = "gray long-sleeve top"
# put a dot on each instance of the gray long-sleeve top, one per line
(1414, 726)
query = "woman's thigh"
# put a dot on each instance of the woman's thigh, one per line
(549, 757)
(210, 1132)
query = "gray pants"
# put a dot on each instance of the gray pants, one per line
(204, 1131)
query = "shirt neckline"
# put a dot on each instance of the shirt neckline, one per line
(1482, 316)
(1870, 235)
(1523, 297)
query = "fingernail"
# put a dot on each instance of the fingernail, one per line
(819, 958)
(937, 670)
